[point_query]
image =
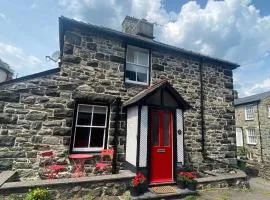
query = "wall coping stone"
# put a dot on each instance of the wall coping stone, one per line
(221, 177)
(6, 176)
(122, 175)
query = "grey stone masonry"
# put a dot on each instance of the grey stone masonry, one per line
(40, 110)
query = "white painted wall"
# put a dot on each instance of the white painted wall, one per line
(180, 138)
(143, 137)
(132, 131)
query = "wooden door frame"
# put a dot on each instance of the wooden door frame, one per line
(174, 140)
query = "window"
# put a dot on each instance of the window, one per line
(137, 65)
(251, 136)
(249, 112)
(268, 111)
(90, 128)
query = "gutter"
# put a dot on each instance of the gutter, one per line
(202, 109)
(260, 134)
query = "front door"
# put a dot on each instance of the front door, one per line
(161, 155)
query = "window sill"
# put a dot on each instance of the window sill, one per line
(136, 83)
(252, 144)
(249, 119)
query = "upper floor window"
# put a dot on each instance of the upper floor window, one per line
(249, 112)
(90, 128)
(251, 136)
(137, 65)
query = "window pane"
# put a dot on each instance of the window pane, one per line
(131, 55)
(84, 115)
(99, 116)
(97, 135)
(82, 137)
(131, 72)
(155, 129)
(142, 74)
(166, 128)
(143, 58)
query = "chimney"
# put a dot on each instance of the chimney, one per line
(139, 27)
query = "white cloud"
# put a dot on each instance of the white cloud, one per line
(3, 16)
(20, 62)
(257, 88)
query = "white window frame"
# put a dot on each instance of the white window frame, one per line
(253, 132)
(92, 149)
(138, 65)
(268, 111)
(248, 113)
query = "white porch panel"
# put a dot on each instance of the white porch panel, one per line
(143, 137)
(132, 132)
(239, 137)
(180, 137)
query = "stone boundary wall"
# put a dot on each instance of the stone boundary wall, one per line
(258, 169)
(73, 188)
(221, 181)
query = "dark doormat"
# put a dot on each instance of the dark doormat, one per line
(163, 189)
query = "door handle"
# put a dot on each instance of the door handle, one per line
(161, 150)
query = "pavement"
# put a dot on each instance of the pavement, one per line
(259, 190)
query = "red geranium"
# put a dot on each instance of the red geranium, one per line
(138, 179)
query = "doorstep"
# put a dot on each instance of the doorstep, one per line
(178, 194)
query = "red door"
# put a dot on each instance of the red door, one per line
(161, 168)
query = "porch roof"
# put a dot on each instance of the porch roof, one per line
(143, 95)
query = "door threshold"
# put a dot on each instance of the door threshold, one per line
(163, 183)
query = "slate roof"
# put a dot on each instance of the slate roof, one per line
(250, 99)
(65, 22)
(5, 67)
(151, 89)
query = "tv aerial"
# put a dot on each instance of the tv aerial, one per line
(55, 57)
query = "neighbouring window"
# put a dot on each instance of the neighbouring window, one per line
(268, 111)
(90, 128)
(251, 136)
(249, 112)
(137, 65)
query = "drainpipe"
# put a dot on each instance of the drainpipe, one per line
(116, 131)
(260, 134)
(202, 108)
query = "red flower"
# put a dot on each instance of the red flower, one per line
(138, 179)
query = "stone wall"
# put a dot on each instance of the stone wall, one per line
(40, 111)
(109, 186)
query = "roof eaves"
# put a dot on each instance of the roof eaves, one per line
(31, 76)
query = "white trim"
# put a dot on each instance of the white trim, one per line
(254, 135)
(76, 149)
(247, 115)
(180, 137)
(138, 65)
(239, 136)
(268, 111)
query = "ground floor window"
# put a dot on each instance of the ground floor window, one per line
(251, 136)
(90, 128)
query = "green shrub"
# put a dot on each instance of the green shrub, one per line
(38, 194)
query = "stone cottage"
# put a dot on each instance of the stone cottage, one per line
(252, 114)
(158, 106)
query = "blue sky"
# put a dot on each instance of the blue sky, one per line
(236, 30)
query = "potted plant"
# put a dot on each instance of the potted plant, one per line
(138, 185)
(186, 179)
(182, 180)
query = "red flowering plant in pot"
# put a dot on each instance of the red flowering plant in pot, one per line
(187, 179)
(138, 185)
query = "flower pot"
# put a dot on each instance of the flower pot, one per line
(181, 184)
(135, 191)
(192, 187)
